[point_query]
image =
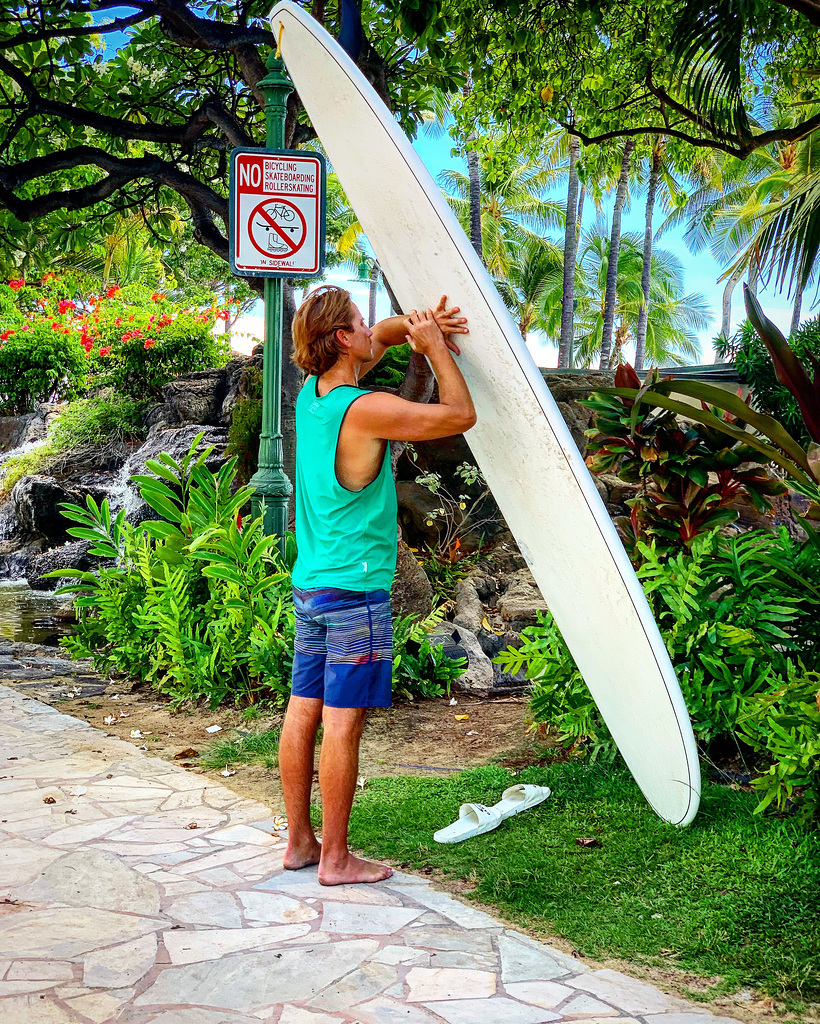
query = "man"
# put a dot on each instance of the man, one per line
(346, 534)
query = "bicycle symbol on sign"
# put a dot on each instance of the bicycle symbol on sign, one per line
(277, 228)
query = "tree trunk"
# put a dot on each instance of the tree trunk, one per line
(646, 270)
(753, 276)
(582, 196)
(374, 291)
(475, 202)
(570, 253)
(796, 310)
(614, 247)
(726, 313)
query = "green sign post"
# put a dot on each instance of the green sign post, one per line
(271, 482)
(277, 230)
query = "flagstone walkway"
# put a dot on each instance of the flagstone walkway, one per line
(134, 891)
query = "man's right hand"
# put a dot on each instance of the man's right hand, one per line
(424, 334)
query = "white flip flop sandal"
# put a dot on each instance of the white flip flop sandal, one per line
(519, 798)
(473, 820)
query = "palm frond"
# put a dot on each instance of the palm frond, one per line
(707, 53)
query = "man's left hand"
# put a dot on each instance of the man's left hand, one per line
(449, 323)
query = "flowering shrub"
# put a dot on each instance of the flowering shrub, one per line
(56, 342)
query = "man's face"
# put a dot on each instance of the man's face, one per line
(359, 339)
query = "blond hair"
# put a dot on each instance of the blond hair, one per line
(324, 311)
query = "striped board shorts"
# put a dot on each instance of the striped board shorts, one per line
(343, 654)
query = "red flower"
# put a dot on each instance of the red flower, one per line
(112, 291)
(64, 305)
(157, 297)
(26, 327)
(54, 325)
(48, 277)
(118, 321)
(131, 317)
(7, 334)
(127, 336)
(105, 350)
(149, 342)
(17, 284)
(239, 520)
(223, 314)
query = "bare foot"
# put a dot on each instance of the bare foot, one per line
(302, 855)
(352, 869)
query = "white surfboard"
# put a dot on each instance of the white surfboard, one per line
(520, 441)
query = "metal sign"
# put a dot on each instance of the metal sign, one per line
(277, 213)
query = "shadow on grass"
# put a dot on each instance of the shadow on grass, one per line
(733, 895)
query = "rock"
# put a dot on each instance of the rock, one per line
(73, 555)
(459, 642)
(601, 488)
(504, 556)
(197, 397)
(469, 610)
(618, 491)
(577, 418)
(478, 677)
(240, 376)
(16, 555)
(415, 505)
(484, 585)
(13, 430)
(411, 593)
(36, 500)
(521, 601)
(176, 441)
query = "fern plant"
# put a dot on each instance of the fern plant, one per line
(422, 669)
(738, 618)
(193, 604)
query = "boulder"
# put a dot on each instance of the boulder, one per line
(618, 491)
(411, 593)
(469, 609)
(36, 500)
(239, 373)
(16, 555)
(415, 505)
(176, 441)
(578, 419)
(197, 397)
(521, 601)
(504, 556)
(458, 642)
(73, 555)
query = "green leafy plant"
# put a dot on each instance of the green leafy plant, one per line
(738, 617)
(191, 604)
(421, 668)
(690, 474)
(246, 425)
(785, 726)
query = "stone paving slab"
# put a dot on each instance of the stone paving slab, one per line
(114, 907)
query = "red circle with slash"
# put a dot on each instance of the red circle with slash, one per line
(277, 228)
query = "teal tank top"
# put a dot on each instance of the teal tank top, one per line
(345, 539)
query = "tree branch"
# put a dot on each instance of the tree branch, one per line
(81, 30)
(119, 173)
(810, 9)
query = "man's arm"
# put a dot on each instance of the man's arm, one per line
(393, 331)
(391, 418)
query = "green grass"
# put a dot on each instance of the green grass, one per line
(258, 746)
(734, 897)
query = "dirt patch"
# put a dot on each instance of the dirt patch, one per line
(424, 738)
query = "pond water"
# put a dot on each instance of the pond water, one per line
(32, 615)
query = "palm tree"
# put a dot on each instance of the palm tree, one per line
(610, 297)
(570, 255)
(529, 289)
(513, 206)
(674, 319)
